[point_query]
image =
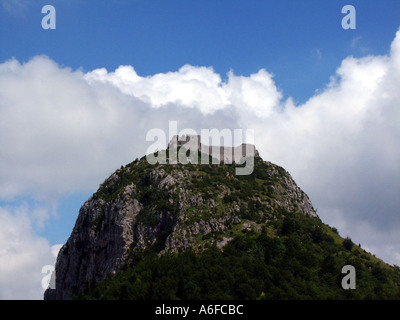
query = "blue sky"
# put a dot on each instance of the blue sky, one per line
(293, 53)
(289, 38)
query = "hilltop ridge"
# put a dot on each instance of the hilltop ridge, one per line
(144, 216)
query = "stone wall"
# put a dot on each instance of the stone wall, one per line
(223, 154)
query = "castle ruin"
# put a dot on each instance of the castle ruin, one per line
(222, 154)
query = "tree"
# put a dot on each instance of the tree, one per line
(347, 244)
(290, 225)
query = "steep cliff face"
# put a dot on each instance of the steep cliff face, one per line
(169, 208)
(97, 246)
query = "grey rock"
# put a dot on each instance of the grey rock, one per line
(109, 230)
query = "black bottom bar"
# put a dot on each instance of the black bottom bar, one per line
(200, 309)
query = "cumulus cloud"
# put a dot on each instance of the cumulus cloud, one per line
(69, 130)
(343, 148)
(22, 255)
(66, 121)
(57, 129)
(195, 87)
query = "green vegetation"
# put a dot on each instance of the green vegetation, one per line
(286, 255)
(301, 262)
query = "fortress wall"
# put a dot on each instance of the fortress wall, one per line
(223, 154)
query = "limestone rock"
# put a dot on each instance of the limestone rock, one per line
(167, 208)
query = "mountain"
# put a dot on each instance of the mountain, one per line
(198, 231)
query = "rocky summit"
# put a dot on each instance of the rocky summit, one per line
(144, 215)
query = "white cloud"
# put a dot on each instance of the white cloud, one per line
(343, 148)
(22, 256)
(66, 121)
(57, 129)
(69, 130)
(15, 7)
(195, 87)
(55, 249)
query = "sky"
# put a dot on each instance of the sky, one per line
(77, 101)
